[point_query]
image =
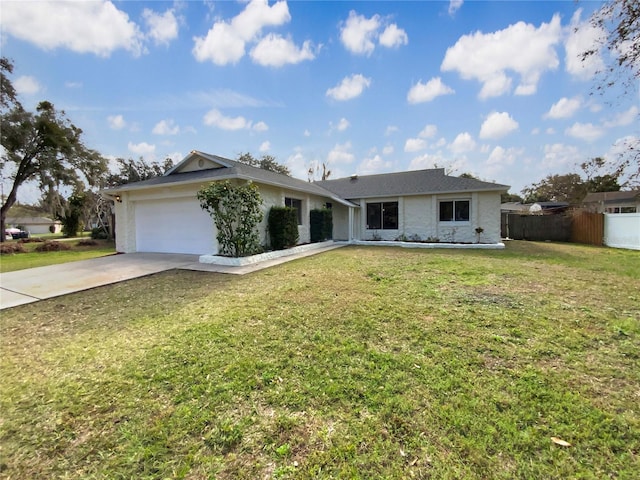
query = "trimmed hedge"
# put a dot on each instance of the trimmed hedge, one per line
(283, 227)
(321, 225)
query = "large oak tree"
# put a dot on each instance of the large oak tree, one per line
(42, 147)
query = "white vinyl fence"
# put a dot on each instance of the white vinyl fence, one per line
(622, 230)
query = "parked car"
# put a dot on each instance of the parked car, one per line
(14, 233)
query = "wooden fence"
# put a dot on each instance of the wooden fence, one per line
(578, 226)
(587, 228)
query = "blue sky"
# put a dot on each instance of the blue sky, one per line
(490, 88)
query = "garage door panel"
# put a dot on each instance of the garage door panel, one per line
(173, 226)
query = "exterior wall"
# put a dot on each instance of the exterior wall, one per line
(340, 214)
(125, 211)
(622, 230)
(418, 219)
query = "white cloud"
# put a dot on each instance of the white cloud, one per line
(521, 48)
(307, 133)
(504, 156)
(550, 131)
(163, 27)
(276, 51)
(454, 6)
(96, 27)
(387, 150)
(373, 165)
(564, 108)
(260, 127)
(582, 37)
(623, 119)
(225, 42)
(166, 127)
(73, 84)
(558, 155)
(391, 129)
(429, 131)
(427, 161)
(393, 37)
(142, 148)
(414, 145)
(584, 131)
(214, 118)
(116, 122)
(358, 33)
(26, 85)
(340, 154)
(425, 92)
(349, 87)
(265, 146)
(497, 125)
(464, 142)
(342, 125)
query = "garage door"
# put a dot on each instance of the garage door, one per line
(174, 226)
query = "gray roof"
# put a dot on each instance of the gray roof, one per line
(230, 169)
(630, 196)
(416, 182)
(30, 220)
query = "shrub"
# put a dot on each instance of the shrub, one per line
(86, 243)
(52, 246)
(52, 229)
(321, 227)
(283, 227)
(236, 213)
(9, 248)
(99, 234)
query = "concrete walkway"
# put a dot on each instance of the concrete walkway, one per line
(31, 285)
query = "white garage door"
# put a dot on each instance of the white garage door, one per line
(174, 226)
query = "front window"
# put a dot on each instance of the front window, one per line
(454, 211)
(382, 216)
(294, 203)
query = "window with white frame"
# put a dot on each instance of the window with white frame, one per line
(454, 210)
(382, 216)
(294, 203)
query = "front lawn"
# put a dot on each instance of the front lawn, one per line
(361, 362)
(32, 258)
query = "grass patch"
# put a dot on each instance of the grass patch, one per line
(362, 362)
(79, 249)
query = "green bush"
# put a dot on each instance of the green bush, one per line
(99, 234)
(283, 227)
(236, 212)
(321, 225)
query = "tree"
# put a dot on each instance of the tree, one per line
(130, 170)
(236, 212)
(71, 219)
(619, 20)
(510, 197)
(313, 171)
(44, 147)
(266, 162)
(556, 188)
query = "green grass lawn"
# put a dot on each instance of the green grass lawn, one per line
(358, 363)
(31, 259)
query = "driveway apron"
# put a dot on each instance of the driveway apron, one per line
(31, 285)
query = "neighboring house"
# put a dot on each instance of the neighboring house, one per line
(164, 215)
(613, 202)
(35, 225)
(537, 208)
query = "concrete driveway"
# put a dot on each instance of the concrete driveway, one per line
(31, 285)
